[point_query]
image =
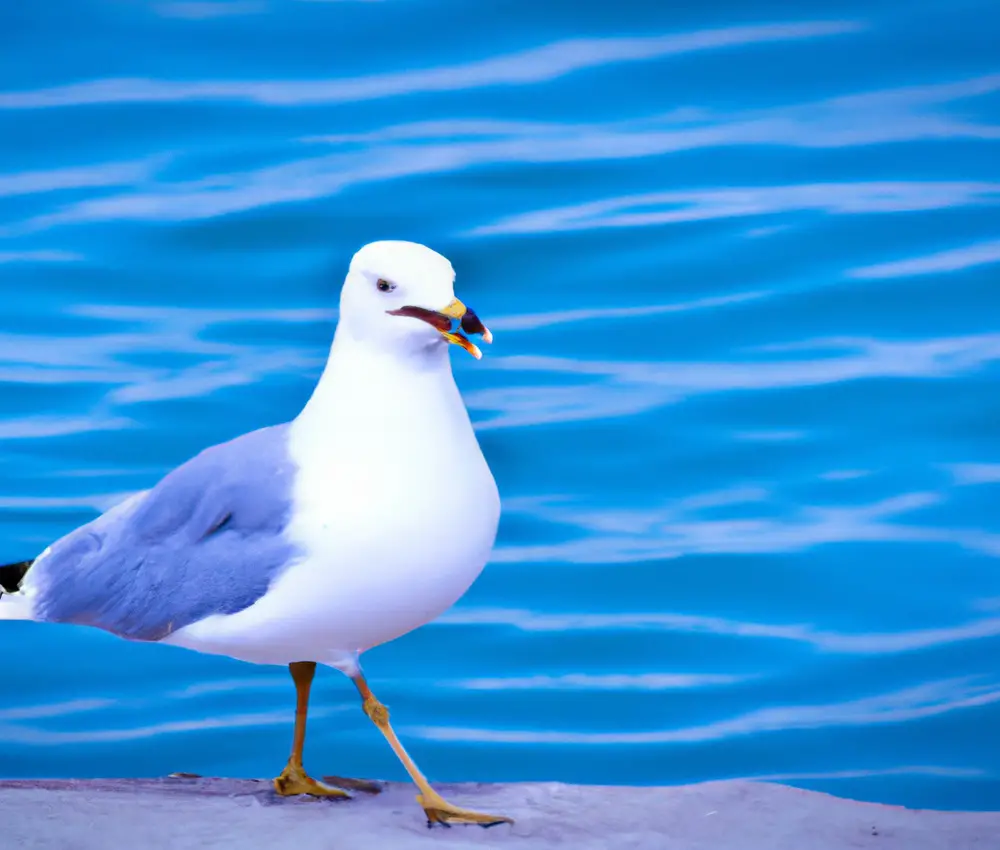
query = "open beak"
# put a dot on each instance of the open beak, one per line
(444, 322)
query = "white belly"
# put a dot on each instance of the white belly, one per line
(384, 551)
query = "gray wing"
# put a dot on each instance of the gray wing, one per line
(207, 539)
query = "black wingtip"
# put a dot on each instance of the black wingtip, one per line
(12, 574)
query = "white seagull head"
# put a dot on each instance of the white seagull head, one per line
(400, 296)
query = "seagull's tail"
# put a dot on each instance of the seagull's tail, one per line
(13, 605)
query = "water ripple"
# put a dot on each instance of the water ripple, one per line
(539, 64)
(741, 405)
(927, 700)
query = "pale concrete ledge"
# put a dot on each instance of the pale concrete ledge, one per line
(149, 814)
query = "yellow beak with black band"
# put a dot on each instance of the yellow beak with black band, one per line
(443, 321)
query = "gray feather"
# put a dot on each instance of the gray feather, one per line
(207, 539)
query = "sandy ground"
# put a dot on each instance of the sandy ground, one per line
(179, 813)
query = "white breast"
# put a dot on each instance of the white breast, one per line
(395, 513)
(388, 548)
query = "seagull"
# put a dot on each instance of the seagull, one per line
(308, 542)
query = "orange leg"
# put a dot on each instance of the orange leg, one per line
(294, 779)
(437, 808)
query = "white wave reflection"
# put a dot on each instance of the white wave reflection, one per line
(595, 682)
(95, 501)
(58, 709)
(226, 686)
(194, 319)
(965, 474)
(521, 406)
(108, 358)
(536, 65)
(770, 436)
(81, 177)
(533, 321)
(104, 472)
(845, 474)
(861, 358)
(32, 427)
(970, 256)
(195, 382)
(873, 643)
(40, 256)
(437, 147)
(850, 120)
(728, 496)
(33, 735)
(680, 206)
(204, 11)
(629, 387)
(616, 535)
(14, 732)
(927, 700)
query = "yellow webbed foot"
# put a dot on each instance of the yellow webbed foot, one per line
(294, 780)
(440, 811)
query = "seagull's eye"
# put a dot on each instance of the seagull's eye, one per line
(384, 285)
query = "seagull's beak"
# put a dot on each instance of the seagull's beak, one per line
(444, 320)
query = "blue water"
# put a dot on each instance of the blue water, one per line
(742, 263)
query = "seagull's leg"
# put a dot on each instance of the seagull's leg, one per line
(294, 779)
(437, 808)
